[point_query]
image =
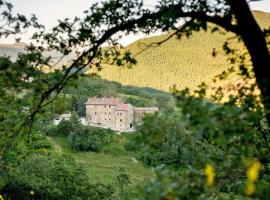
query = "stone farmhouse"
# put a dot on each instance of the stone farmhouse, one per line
(114, 113)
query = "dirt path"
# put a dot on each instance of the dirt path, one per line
(57, 147)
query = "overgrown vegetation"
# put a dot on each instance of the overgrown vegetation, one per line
(167, 143)
(179, 145)
(50, 177)
(90, 139)
(228, 127)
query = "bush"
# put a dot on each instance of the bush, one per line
(42, 144)
(162, 139)
(50, 130)
(123, 185)
(46, 177)
(90, 139)
(64, 128)
(39, 141)
(117, 147)
(131, 146)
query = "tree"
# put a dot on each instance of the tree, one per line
(245, 26)
(233, 16)
(104, 23)
(104, 20)
(123, 183)
(49, 177)
(248, 29)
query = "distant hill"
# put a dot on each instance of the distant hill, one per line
(184, 63)
(11, 50)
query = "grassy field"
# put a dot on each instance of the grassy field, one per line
(184, 63)
(104, 166)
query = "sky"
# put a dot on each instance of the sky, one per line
(49, 11)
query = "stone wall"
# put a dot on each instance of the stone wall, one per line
(139, 113)
(101, 115)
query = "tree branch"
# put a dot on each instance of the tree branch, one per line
(224, 22)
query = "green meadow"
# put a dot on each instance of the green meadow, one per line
(103, 166)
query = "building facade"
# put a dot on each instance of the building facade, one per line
(114, 113)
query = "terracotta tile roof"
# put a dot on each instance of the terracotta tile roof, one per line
(122, 106)
(103, 101)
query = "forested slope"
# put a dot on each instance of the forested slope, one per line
(185, 63)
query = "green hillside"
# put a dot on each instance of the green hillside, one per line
(185, 63)
(103, 166)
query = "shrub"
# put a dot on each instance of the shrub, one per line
(64, 128)
(47, 177)
(39, 141)
(90, 139)
(117, 147)
(123, 185)
(50, 129)
(40, 144)
(162, 139)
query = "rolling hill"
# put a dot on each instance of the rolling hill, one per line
(11, 50)
(184, 63)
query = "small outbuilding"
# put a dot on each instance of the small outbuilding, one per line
(65, 117)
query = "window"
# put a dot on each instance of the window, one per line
(95, 113)
(104, 106)
(120, 120)
(105, 113)
(109, 113)
(105, 119)
(109, 106)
